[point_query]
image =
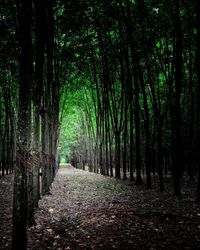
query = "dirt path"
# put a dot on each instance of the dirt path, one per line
(6, 197)
(89, 211)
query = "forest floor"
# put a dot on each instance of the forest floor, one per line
(6, 197)
(88, 211)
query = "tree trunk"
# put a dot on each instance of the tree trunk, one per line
(131, 143)
(177, 108)
(24, 10)
(39, 62)
(198, 94)
(117, 155)
(125, 139)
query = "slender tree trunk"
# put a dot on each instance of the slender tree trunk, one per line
(49, 92)
(117, 155)
(110, 152)
(159, 157)
(135, 63)
(24, 8)
(44, 150)
(106, 141)
(147, 132)
(39, 62)
(141, 9)
(125, 139)
(131, 143)
(137, 135)
(198, 93)
(13, 134)
(177, 108)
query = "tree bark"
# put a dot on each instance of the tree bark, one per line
(24, 9)
(198, 93)
(177, 94)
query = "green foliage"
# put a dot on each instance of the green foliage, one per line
(70, 131)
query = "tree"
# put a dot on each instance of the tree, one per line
(198, 90)
(24, 10)
(177, 96)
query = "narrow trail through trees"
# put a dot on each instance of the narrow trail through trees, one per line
(89, 211)
(85, 210)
